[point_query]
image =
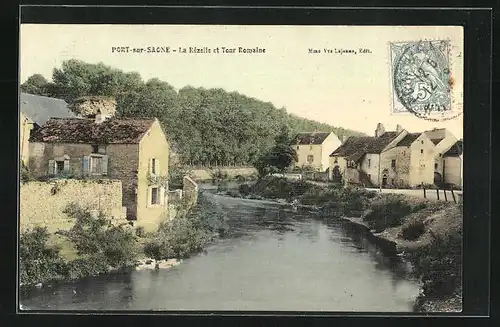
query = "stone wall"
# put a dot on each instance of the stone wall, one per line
(123, 164)
(43, 203)
(89, 105)
(206, 174)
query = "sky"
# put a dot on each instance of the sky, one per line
(350, 90)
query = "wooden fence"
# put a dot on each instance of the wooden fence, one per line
(442, 194)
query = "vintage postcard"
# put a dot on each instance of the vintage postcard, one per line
(245, 168)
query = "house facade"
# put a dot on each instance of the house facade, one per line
(35, 110)
(443, 141)
(134, 151)
(395, 159)
(453, 165)
(313, 149)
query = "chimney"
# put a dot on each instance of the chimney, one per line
(380, 130)
(399, 128)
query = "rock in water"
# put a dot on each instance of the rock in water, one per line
(39, 285)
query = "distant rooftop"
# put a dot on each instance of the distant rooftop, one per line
(40, 108)
(310, 138)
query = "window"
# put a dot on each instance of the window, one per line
(369, 163)
(153, 166)
(310, 158)
(297, 147)
(369, 176)
(393, 163)
(422, 141)
(435, 165)
(421, 150)
(95, 149)
(311, 147)
(440, 154)
(96, 165)
(59, 167)
(154, 195)
(392, 181)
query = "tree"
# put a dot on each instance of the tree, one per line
(35, 84)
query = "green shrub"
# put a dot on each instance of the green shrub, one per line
(188, 233)
(91, 265)
(439, 264)
(176, 173)
(413, 230)
(39, 262)
(389, 211)
(98, 236)
(244, 189)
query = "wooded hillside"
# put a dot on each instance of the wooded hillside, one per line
(205, 126)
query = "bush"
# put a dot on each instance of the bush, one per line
(188, 233)
(91, 265)
(244, 189)
(413, 230)
(26, 175)
(39, 262)
(219, 175)
(176, 175)
(439, 265)
(389, 211)
(98, 236)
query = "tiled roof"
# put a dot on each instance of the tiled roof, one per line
(455, 150)
(310, 138)
(437, 140)
(408, 139)
(379, 143)
(354, 148)
(77, 130)
(40, 109)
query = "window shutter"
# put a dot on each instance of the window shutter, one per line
(52, 166)
(86, 165)
(66, 165)
(104, 165)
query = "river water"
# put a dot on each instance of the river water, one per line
(273, 259)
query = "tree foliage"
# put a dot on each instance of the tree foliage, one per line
(209, 127)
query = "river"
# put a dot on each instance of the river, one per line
(273, 259)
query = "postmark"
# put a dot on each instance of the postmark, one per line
(422, 80)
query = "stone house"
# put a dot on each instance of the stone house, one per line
(443, 141)
(313, 149)
(35, 110)
(453, 165)
(388, 159)
(134, 151)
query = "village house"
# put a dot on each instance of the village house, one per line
(443, 141)
(313, 149)
(391, 159)
(453, 165)
(134, 151)
(35, 110)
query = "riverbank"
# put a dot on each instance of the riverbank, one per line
(94, 247)
(428, 234)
